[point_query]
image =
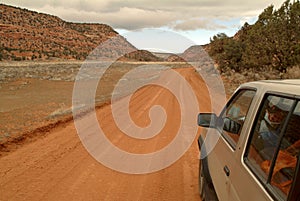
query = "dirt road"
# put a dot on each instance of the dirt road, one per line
(58, 167)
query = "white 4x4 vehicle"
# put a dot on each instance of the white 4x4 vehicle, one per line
(254, 154)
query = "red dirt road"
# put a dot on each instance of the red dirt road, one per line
(58, 167)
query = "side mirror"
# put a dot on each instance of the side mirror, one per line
(207, 120)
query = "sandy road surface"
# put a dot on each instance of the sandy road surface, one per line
(58, 167)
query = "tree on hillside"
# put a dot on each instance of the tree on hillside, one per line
(258, 42)
(227, 51)
(273, 41)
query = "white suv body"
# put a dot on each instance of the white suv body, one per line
(256, 156)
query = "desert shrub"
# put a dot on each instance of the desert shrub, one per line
(292, 73)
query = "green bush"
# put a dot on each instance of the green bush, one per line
(273, 41)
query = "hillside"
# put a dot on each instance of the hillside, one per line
(29, 35)
(271, 44)
(195, 53)
(140, 55)
(266, 50)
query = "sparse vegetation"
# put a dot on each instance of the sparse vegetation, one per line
(29, 35)
(45, 36)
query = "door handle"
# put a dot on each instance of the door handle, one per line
(226, 170)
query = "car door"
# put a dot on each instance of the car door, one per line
(222, 159)
(270, 169)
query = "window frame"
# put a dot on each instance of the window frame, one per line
(225, 136)
(294, 195)
(265, 182)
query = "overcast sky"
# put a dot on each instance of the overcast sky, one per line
(198, 20)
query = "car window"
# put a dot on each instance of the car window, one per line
(233, 116)
(275, 143)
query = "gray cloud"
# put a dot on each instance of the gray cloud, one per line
(194, 24)
(136, 14)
